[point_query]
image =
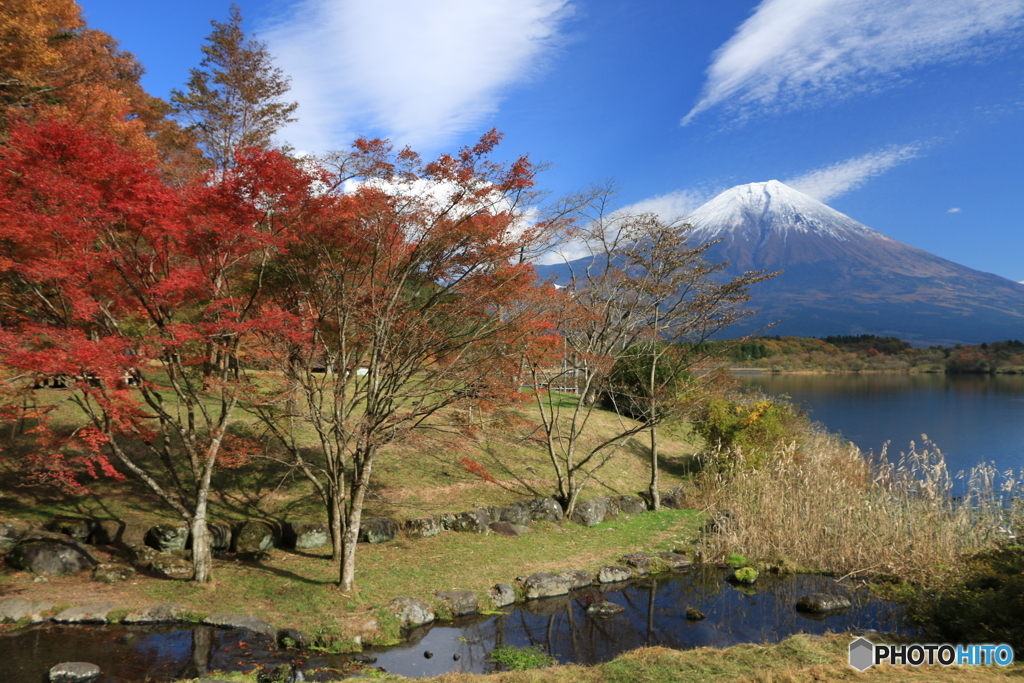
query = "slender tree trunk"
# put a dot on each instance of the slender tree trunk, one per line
(350, 538)
(655, 496)
(335, 521)
(202, 557)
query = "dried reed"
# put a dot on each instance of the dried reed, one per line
(824, 505)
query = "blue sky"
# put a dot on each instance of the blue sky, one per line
(907, 115)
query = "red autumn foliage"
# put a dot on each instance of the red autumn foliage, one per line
(473, 467)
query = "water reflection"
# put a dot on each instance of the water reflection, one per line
(655, 614)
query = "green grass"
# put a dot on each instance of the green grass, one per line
(521, 659)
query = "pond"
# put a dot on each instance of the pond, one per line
(654, 614)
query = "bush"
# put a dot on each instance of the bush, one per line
(746, 433)
(983, 606)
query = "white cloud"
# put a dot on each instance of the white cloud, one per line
(417, 72)
(798, 52)
(672, 206)
(955, 209)
(832, 181)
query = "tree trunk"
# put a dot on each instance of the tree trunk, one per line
(202, 557)
(335, 522)
(350, 537)
(655, 496)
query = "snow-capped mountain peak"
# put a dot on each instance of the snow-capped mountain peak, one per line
(759, 211)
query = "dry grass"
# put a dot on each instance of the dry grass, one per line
(822, 505)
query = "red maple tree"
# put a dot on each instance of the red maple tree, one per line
(144, 298)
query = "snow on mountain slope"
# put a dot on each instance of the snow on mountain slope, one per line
(773, 208)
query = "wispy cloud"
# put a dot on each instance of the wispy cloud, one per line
(791, 53)
(832, 181)
(418, 72)
(672, 206)
(955, 209)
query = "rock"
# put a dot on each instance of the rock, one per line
(85, 614)
(720, 522)
(79, 528)
(18, 609)
(167, 538)
(820, 603)
(502, 595)
(282, 673)
(694, 614)
(306, 535)
(545, 510)
(611, 506)
(220, 538)
(423, 527)
(604, 609)
(109, 572)
(613, 574)
(675, 561)
(541, 585)
(12, 531)
(493, 513)
(254, 535)
(471, 521)
(176, 567)
(293, 637)
(631, 505)
(590, 512)
(516, 513)
(142, 555)
(48, 553)
(577, 578)
(461, 603)
(74, 672)
(164, 612)
(641, 562)
(508, 529)
(744, 575)
(246, 621)
(411, 612)
(121, 533)
(674, 498)
(377, 530)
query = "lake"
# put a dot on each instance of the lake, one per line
(970, 418)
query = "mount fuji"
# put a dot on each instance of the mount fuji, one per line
(840, 277)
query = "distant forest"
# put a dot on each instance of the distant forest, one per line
(867, 352)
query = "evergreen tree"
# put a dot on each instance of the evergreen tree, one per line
(234, 97)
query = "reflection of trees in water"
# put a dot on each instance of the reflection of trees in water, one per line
(656, 615)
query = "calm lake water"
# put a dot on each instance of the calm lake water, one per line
(970, 418)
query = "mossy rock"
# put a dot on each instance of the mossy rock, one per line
(744, 575)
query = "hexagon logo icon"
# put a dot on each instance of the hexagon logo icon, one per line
(862, 654)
